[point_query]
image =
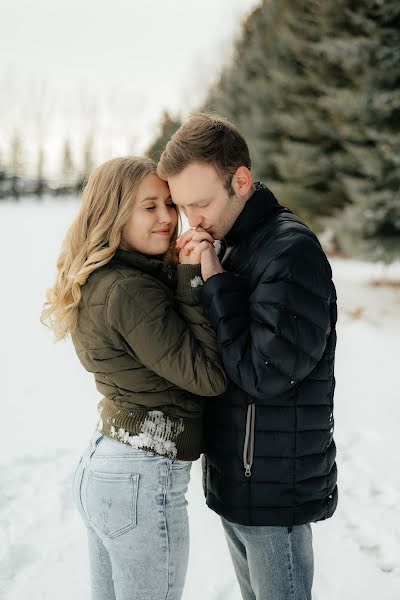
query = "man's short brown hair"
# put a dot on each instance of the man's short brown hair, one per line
(206, 138)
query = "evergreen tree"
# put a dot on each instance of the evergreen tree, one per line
(269, 93)
(246, 92)
(314, 87)
(367, 116)
(167, 128)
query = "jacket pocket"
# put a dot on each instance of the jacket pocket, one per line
(248, 449)
(111, 502)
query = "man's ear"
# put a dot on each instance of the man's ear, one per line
(242, 182)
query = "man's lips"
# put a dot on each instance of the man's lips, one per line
(208, 229)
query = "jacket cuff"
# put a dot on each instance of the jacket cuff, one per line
(226, 281)
(189, 279)
(222, 294)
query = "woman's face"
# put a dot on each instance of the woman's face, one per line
(153, 218)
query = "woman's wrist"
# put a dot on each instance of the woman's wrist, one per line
(189, 278)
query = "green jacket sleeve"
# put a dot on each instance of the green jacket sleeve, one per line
(169, 335)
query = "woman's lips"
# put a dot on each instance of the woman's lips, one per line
(164, 233)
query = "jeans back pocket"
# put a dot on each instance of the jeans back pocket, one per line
(111, 502)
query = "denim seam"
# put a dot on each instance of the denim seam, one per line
(80, 472)
(85, 460)
(292, 588)
(167, 476)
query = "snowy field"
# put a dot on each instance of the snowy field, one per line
(49, 412)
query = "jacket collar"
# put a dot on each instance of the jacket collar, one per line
(259, 209)
(152, 265)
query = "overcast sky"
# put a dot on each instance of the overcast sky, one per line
(72, 65)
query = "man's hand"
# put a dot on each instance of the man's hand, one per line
(210, 264)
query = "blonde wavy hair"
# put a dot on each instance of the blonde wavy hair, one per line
(95, 235)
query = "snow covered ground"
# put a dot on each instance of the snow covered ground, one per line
(49, 411)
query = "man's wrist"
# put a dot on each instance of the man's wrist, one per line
(207, 276)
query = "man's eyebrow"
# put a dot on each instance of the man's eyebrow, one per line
(198, 201)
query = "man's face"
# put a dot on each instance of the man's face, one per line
(203, 197)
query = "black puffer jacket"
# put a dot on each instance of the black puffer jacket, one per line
(270, 456)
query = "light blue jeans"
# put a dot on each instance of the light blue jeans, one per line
(272, 563)
(134, 507)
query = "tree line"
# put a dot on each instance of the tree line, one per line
(72, 172)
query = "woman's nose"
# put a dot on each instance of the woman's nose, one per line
(165, 216)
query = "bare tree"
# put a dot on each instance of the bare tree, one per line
(16, 164)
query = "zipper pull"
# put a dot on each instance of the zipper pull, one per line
(248, 471)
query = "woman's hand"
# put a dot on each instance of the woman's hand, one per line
(202, 252)
(191, 252)
(191, 244)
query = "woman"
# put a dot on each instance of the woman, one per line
(137, 324)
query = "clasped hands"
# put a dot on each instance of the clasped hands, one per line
(194, 247)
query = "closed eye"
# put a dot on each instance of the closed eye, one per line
(167, 205)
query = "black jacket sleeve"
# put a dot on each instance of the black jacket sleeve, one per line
(271, 337)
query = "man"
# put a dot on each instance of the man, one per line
(269, 468)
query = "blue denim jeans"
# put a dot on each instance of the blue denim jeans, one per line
(272, 563)
(134, 507)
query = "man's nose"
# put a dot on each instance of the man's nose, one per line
(194, 220)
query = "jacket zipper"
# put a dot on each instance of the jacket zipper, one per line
(248, 450)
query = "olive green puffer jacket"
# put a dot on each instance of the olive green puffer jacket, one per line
(152, 351)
